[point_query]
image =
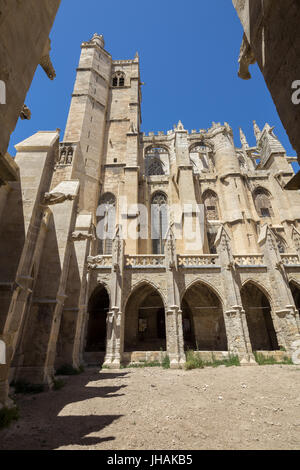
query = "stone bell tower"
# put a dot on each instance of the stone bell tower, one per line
(85, 129)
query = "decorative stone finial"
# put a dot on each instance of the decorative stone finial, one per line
(257, 131)
(136, 55)
(243, 139)
(98, 39)
(179, 127)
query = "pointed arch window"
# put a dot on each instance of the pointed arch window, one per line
(159, 222)
(263, 203)
(210, 201)
(199, 157)
(118, 79)
(155, 168)
(156, 161)
(106, 223)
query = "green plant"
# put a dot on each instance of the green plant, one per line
(22, 386)
(263, 360)
(228, 362)
(194, 361)
(58, 384)
(166, 362)
(67, 369)
(7, 415)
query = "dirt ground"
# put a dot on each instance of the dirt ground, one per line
(224, 408)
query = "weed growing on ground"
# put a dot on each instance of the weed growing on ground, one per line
(263, 360)
(7, 415)
(22, 386)
(166, 362)
(194, 361)
(58, 384)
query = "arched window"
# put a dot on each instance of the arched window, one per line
(262, 202)
(159, 222)
(118, 79)
(106, 223)
(156, 161)
(199, 157)
(210, 201)
(155, 168)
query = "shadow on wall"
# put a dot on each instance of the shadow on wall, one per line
(53, 419)
(12, 234)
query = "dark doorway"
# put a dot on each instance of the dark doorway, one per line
(145, 324)
(96, 332)
(296, 295)
(188, 327)
(258, 314)
(203, 321)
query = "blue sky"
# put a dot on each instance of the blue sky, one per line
(189, 61)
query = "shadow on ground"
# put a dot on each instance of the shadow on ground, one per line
(44, 420)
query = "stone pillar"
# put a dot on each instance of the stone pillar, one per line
(64, 217)
(81, 238)
(232, 193)
(174, 330)
(10, 335)
(35, 158)
(115, 318)
(284, 312)
(187, 194)
(234, 315)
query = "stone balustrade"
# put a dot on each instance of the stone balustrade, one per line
(249, 260)
(196, 261)
(100, 261)
(290, 259)
(144, 261)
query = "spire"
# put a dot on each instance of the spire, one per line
(243, 139)
(137, 55)
(257, 131)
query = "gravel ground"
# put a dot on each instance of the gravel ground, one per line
(151, 408)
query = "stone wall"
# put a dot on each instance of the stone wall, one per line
(24, 44)
(272, 30)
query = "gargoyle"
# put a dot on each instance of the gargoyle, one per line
(25, 113)
(45, 61)
(246, 58)
(81, 236)
(56, 198)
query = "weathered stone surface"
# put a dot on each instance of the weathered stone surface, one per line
(67, 296)
(24, 43)
(272, 33)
